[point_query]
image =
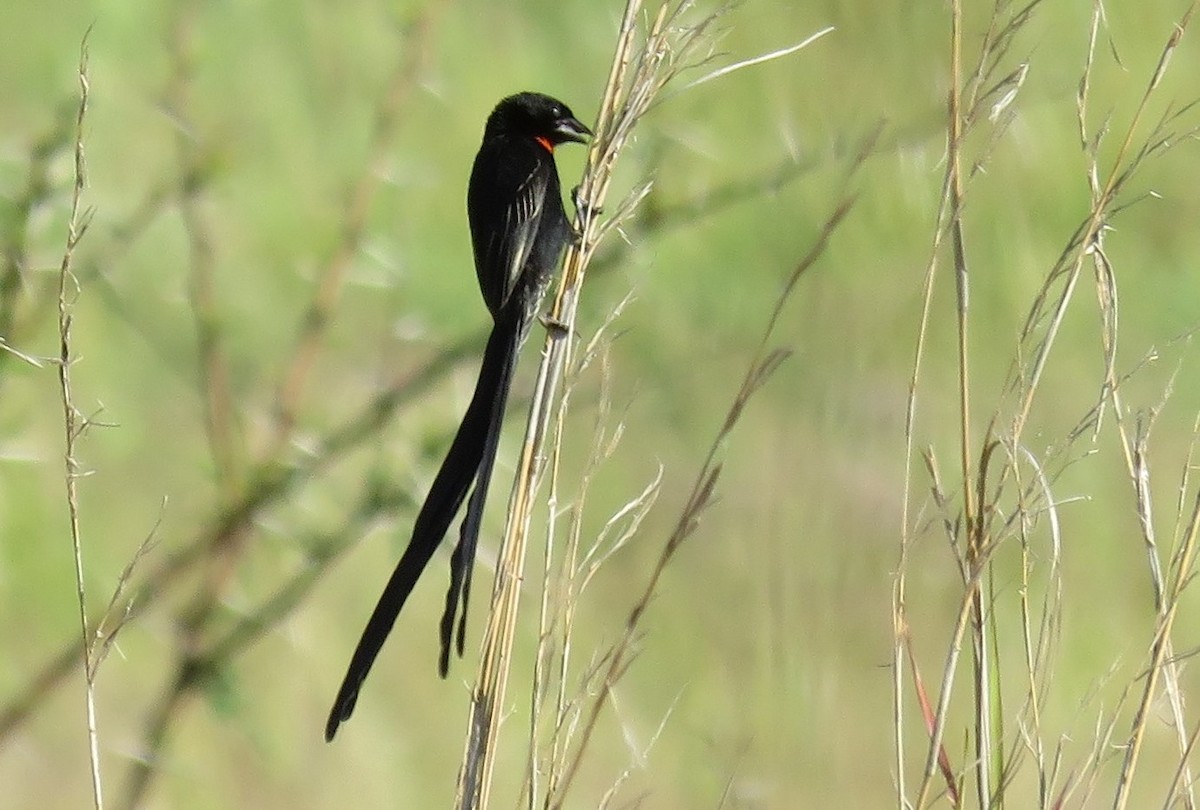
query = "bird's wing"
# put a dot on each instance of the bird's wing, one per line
(507, 247)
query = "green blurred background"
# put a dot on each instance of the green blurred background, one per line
(770, 643)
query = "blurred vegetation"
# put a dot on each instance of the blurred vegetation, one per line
(225, 146)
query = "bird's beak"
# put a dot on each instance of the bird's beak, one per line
(571, 129)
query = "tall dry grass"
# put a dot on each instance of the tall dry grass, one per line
(997, 506)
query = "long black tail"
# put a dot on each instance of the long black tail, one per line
(462, 561)
(470, 458)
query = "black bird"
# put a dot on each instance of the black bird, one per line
(518, 231)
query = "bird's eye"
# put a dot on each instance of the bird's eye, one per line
(556, 111)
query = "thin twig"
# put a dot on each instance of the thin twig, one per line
(215, 386)
(271, 487)
(359, 200)
(74, 423)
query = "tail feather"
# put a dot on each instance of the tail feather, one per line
(469, 454)
(462, 561)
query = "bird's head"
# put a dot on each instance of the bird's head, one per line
(540, 117)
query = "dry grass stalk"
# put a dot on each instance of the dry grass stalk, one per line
(554, 702)
(967, 106)
(638, 74)
(640, 69)
(75, 423)
(997, 500)
(1134, 447)
(763, 364)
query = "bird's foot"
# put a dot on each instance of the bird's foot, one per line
(582, 207)
(554, 326)
(586, 214)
